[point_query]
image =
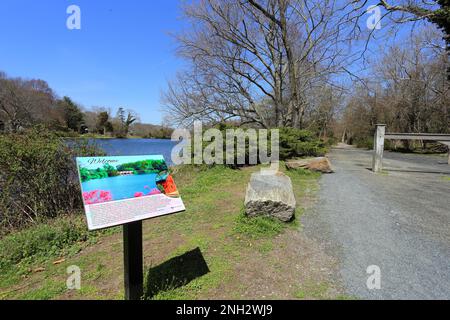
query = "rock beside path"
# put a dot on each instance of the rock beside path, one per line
(270, 195)
(321, 164)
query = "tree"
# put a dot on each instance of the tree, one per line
(121, 115)
(436, 12)
(73, 115)
(408, 92)
(103, 124)
(131, 118)
(24, 103)
(126, 119)
(256, 61)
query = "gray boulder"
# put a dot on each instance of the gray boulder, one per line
(270, 195)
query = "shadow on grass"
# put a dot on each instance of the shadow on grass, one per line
(175, 273)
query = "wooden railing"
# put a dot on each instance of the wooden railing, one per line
(381, 135)
(417, 136)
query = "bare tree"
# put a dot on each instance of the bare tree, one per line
(437, 12)
(26, 102)
(256, 61)
(408, 91)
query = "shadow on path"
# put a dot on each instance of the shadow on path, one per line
(412, 171)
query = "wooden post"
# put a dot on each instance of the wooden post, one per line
(133, 260)
(378, 148)
(448, 154)
(448, 145)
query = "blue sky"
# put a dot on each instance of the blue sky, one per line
(122, 56)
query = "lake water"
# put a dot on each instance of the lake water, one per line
(137, 147)
(122, 187)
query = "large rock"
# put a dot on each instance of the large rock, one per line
(270, 195)
(321, 164)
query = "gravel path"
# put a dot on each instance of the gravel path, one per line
(398, 220)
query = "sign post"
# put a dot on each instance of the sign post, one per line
(133, 260)
(125, 190)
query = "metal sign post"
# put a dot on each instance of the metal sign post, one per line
(133, 260)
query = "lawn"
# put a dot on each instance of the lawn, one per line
(211, 251)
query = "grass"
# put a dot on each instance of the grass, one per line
(312, 291)
(446, 178)
(64, 236)
(206, 252)
(258, 227)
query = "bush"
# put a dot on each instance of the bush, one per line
(38, 177)
(363, 142)
(300, 143)
(293, 143)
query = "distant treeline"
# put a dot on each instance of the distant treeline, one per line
(25, 103)
(138, 167)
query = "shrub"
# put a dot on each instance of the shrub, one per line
(38, 177)
(300, 143)
(293, 143)
(363, 142)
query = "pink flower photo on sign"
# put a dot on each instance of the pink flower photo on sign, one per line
(121, 189)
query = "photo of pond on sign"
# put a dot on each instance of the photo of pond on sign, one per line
(117, 178)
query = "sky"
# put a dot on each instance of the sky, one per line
(122, 56)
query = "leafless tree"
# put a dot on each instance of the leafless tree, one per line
(256, 60)
(408, 90)
(436, 12)
(26, 102)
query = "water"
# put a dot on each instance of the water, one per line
(123, 187)
(137, 147)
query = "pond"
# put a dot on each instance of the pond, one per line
(137, 147)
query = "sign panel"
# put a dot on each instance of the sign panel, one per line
(120, 190)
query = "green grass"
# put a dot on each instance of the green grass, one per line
(212, 232)
(258, 227)
(21, 251)
(49, 290)
(203, 226)
(239, 231)
(312, 290)
(446, 178)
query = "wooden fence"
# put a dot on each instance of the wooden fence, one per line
(381, 135)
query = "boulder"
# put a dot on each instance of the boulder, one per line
(321, 164)
(270, 195)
